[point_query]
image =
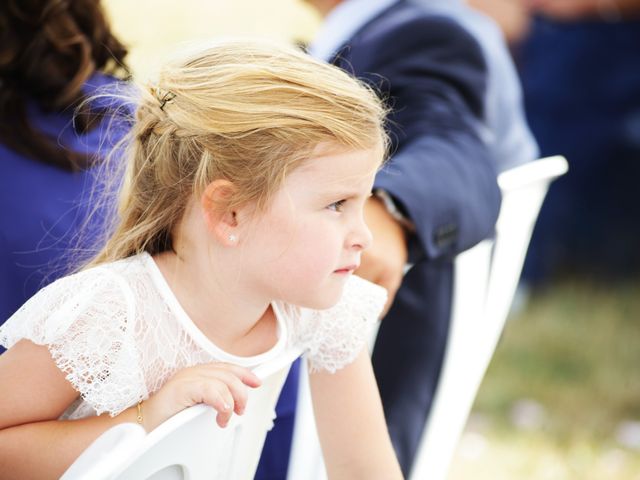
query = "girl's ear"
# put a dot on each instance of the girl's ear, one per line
(220, 220)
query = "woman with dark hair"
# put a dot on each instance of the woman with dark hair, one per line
(54, 54)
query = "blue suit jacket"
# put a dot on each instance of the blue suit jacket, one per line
(441, 174)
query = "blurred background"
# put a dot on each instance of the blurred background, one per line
(153, 28)
(561, 399)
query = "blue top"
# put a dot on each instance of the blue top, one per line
(42, 205)
(584, 76)
(582, 91)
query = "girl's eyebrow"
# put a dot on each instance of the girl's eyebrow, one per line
(344, 194)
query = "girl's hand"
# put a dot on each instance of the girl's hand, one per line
(220, 385)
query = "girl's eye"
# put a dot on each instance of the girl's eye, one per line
(336, 206)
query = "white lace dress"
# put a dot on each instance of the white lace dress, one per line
(118, 332)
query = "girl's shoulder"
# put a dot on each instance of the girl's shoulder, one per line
(89, 322)
(100, 290)
(111, 277)
(334, 337)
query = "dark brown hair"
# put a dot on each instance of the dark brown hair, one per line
(48, 49)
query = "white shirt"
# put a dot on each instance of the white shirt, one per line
(342, 23)
(119, 333)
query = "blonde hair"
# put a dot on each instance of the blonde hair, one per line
(243, 111)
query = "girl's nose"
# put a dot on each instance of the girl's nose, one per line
(361, 237)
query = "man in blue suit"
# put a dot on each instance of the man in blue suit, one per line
(437, 196)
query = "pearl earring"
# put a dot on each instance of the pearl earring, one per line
(233, 238)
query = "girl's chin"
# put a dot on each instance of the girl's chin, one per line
(322, 296)
(324, 303)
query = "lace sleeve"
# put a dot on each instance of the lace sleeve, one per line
(85, 320)
(333, 338)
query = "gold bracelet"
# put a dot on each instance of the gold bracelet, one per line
(139, 418)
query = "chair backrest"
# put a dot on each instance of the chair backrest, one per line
(486, 277)
(189, 445)
(305, 460)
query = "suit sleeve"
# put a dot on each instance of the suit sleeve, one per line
(433, 75)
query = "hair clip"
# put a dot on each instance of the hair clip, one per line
(163, 96)
(167, 97)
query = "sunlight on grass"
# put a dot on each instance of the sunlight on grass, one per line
(561, 398)
(536, 456)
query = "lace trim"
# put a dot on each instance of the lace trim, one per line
(333, 338)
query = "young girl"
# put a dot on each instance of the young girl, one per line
(240, 223)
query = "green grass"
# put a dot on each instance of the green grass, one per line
(574, 352)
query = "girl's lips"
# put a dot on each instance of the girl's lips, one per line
(347, 269)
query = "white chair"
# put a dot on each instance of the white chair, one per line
(189, 445)
(305, 460)
(485, 280)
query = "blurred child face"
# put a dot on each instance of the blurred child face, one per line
(309, 240)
